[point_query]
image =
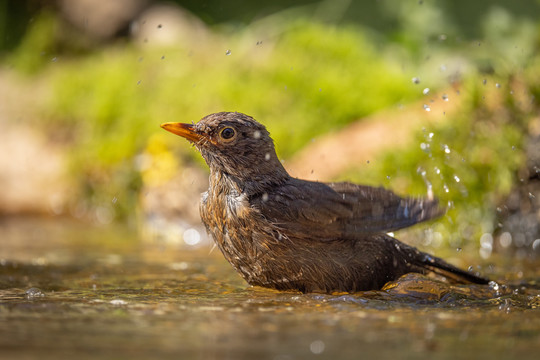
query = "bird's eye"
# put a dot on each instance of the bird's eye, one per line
(227, 133)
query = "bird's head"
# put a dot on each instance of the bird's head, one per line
(235, 144)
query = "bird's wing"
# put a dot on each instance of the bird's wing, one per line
(340, 210)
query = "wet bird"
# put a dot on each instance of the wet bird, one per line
(281, 232)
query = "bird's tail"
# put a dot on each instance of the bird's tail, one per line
(423, 263)
(451, 272)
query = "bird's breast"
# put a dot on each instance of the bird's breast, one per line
(237, 207)
(227, 217)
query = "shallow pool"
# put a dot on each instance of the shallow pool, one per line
(70, 290)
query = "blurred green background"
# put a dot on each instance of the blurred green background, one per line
(95, 80)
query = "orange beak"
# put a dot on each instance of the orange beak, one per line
(185, 130)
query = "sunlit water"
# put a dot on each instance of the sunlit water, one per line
(72, 291)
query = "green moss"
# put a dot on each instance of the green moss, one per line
(39, 45)
(311, 79)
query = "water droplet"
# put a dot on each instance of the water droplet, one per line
(415, 80)
(445, 187)
(486, 241)
(484, 253)
(437, 170)
(425, 91)
(426, 107)
(228, 52)
(114, 200)
(531, 196)
(191, 236)
(256, 134)
(505, 239)
(536, 244)
(484, 82)
(265, 197)
(429, 191)
(388, 177)
(445, 97)
(459, 249)
(513, 148)
(118, 302)
(34, 292)
(446, 149)
(267, 156)
(497, 85)
(442, 37)
(317, 347)
(457, 178)
(54, 59)
(493, 285)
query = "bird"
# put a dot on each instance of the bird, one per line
(289, 234)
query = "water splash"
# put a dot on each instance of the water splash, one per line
(34, 293)
(118, 302)
(446, 149)
(429, 186)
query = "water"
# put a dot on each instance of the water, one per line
(71, 290)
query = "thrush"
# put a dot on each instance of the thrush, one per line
(281, 232)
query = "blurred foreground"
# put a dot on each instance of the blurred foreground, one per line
(72, 290)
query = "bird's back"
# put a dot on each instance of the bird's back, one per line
(273, 250)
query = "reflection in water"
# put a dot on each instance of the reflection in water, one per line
(93, 293)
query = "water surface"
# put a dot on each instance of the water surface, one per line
(72, 290)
